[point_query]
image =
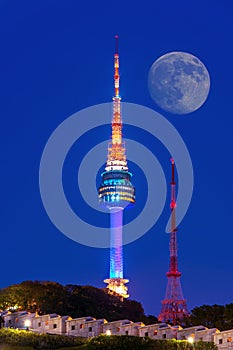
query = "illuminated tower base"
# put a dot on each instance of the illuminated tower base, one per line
(117, 286)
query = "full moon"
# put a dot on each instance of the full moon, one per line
(178, 82)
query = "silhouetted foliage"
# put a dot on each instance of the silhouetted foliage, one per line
(102, 342)
(215, 316)
(38, 341)
(34, 296)
(150, 319)
(72, 300)
(126, 342)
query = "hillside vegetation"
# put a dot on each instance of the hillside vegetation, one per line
(23, 340)
(72, 300)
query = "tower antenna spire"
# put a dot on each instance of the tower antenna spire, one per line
(116, 37)
(116, 70)
(174, 307)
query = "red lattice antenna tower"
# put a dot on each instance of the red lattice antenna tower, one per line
(174, 307)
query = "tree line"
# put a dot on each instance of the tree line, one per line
(22, 340)
(211, 316)
(78, 301)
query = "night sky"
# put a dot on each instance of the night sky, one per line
(56, 59)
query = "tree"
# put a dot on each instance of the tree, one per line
(215, 316)
(44, 297)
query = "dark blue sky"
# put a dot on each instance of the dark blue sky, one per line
(57, 58)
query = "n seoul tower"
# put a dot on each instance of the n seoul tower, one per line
(116, 191)
(174, 307)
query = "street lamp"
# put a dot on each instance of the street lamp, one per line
(191, 341)
(27, 324)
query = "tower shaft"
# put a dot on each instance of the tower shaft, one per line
(174, 307)
(116, 256)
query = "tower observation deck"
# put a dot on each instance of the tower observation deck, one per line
(116, 191)
(174, 307)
